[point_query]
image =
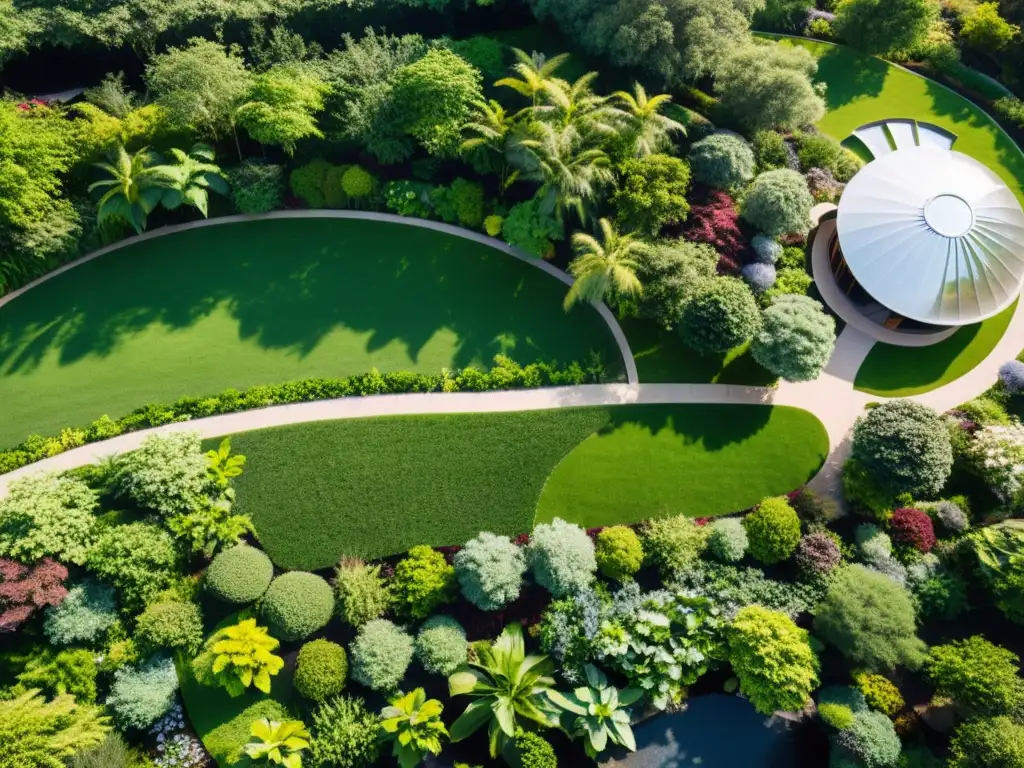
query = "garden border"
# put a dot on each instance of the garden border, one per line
(321, 213)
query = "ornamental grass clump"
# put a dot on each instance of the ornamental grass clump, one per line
(441, 645)
(561, 556)
(422, 582)
(674, 543)
(490, 571)
(773, 529)
(360, 592)
(728, 540)
(619, 553)
(381, 653)
(320, 670)
(239, 575)
(297, 604)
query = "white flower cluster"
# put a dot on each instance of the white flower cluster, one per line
(174, 747)
(998, 454)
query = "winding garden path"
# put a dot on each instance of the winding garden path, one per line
(831, 398)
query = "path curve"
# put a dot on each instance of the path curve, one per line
(467, 234)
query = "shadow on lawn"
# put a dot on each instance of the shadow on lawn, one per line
(289, 283)
(713, 427)
(889, 367)
(850, 76)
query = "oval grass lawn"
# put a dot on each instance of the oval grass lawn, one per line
(698, 460)
(265, 302)
(375, 487)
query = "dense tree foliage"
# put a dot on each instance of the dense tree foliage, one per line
(796, 338)
(722, 314)
(651, 193)
(881, 26)
(980, 676)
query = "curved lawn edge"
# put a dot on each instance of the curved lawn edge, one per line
(702, 461)
(449, 229)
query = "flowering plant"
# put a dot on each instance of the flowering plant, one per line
(997, 454)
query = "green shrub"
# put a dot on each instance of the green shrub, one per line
(171, 626)
(423, 580)
(87, 611)
(59, 672)
(461, 203)
(381, 653)
(485, 53)
(409, 198)
(871, 741)
(789, 281)
(674, 543)
(490, 571)
(114, 752)
(870, 619)
(532, 228)
(334, 195)
(796, 338)
(239, 575)
(357, 182)
(770, 151)
(722, 160)
(880, 693)
(441, 645)
(320, 670)
(344, 734)
(167, 473)
(493, 224)
(561, 556)
(728, 540)
(903, 447)
(778, 203)
(47, 515)
(256, 187)
(297, 604)
(307, 182)
(534, 751)
(722, 314)
(995, 742)
(142, 695)
(838, 716)
(651, 194)
(360, 591)
(978, 675)
(138, 559)
(773, 530)
(619, 553)
(1010, 108)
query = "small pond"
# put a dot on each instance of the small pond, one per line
(715, 731)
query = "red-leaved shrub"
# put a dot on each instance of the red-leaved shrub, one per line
(817, 554)
(715, 221)
(914, 527)
(25, 588)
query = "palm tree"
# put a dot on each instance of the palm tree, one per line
(570, 169)
(650, 128)
(136, 186)
(603, 267)
(534, 73)
(489, 134)
(576, 105)
(191, 176)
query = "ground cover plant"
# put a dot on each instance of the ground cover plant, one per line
(215, 308)
(466, 473)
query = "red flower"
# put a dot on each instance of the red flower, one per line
(914, 527)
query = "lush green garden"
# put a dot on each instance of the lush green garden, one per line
(269, 302)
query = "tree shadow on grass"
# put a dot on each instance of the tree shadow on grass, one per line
(711, 426)
(850, 75)
(289, 283)
(888, 367)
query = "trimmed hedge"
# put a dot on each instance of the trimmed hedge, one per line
(506, 374)
(239, 575)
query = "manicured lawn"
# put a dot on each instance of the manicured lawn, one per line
(651, 461)
(862, 89)
(269, 302)
(661, 356)
(376, 487)
(223, 722)
(893, 371)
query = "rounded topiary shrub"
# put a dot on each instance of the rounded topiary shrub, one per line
(796, 338)
(871, 741)
(175, 626)
(728, 540)
(951, 517)
(562, 557)
(297, 604)
(441, 645)
(256, 187)
(320, 670)
(779, 203)
(766, 250)
(760, 277)
(817, 554)
(913, 527)
(722, 160)
(422, 582)
(722, 314)
(490, 571)
(357, 182)
(381, 653)
(674, 543)
(1012, 375)
(619, 553)
(773, 530)
(239, 575)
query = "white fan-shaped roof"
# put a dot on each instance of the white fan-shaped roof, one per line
(933, 235)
